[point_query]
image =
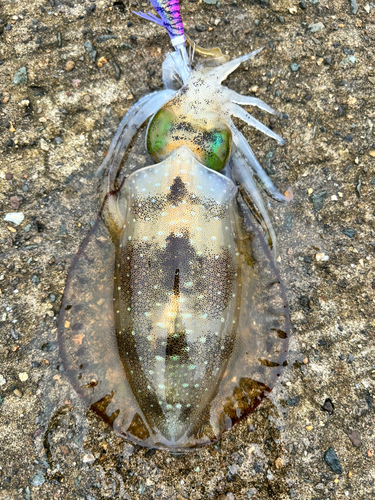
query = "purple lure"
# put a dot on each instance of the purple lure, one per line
(170, 18)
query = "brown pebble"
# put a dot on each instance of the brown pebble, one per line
(9, 177)
(350, 474)
(17, 393)
(15, 202)
(102, 61)
(70, 65)
(370, 453)
(87, 98)
(278, 463)
(355, 438)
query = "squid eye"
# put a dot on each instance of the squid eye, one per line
(217, 148)
(158, 135)
(168, 132)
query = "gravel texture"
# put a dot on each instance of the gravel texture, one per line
(69, 70)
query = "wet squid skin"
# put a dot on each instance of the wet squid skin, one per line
(178, 289)
(174, 322)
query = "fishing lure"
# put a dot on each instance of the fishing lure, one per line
(174, 322)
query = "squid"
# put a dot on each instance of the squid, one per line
(174, 324)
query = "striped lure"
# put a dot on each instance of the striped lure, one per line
(169, 18)
(174, 322)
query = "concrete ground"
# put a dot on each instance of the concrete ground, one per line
(314, 438)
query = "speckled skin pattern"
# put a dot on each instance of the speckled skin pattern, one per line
(177, 293)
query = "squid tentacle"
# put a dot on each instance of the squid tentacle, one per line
(129, 126)
(253, 122)
(221, 72)
(244, 177)
(243, 146)
(251, 101)
(120, 128)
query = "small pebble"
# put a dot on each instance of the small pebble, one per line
(200, 28)
(348, 60)
(321, 257)
(278, 463)
(44, 146)
(101, 62)
(355, 438)
(88, 458)
(20, 77)
(316, 27)
(117, 70)
(304, 301)
(49, 346)
(17, 393)
(295, 66)
(15, 217)
(292, 401)
(15, 202)
(87, 98)
(2, 380)
(90, 50)
(318, 200)
(353, 7)
(90, 8)
(125, 46)
(349, 232)
(104, 38)
(332, 461)
(70, 65)
(23, 376)
(35, 279)
(37, 479)
(328, 406)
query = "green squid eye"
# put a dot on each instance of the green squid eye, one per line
(217, 149)
(158, 132)
(168, 132)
